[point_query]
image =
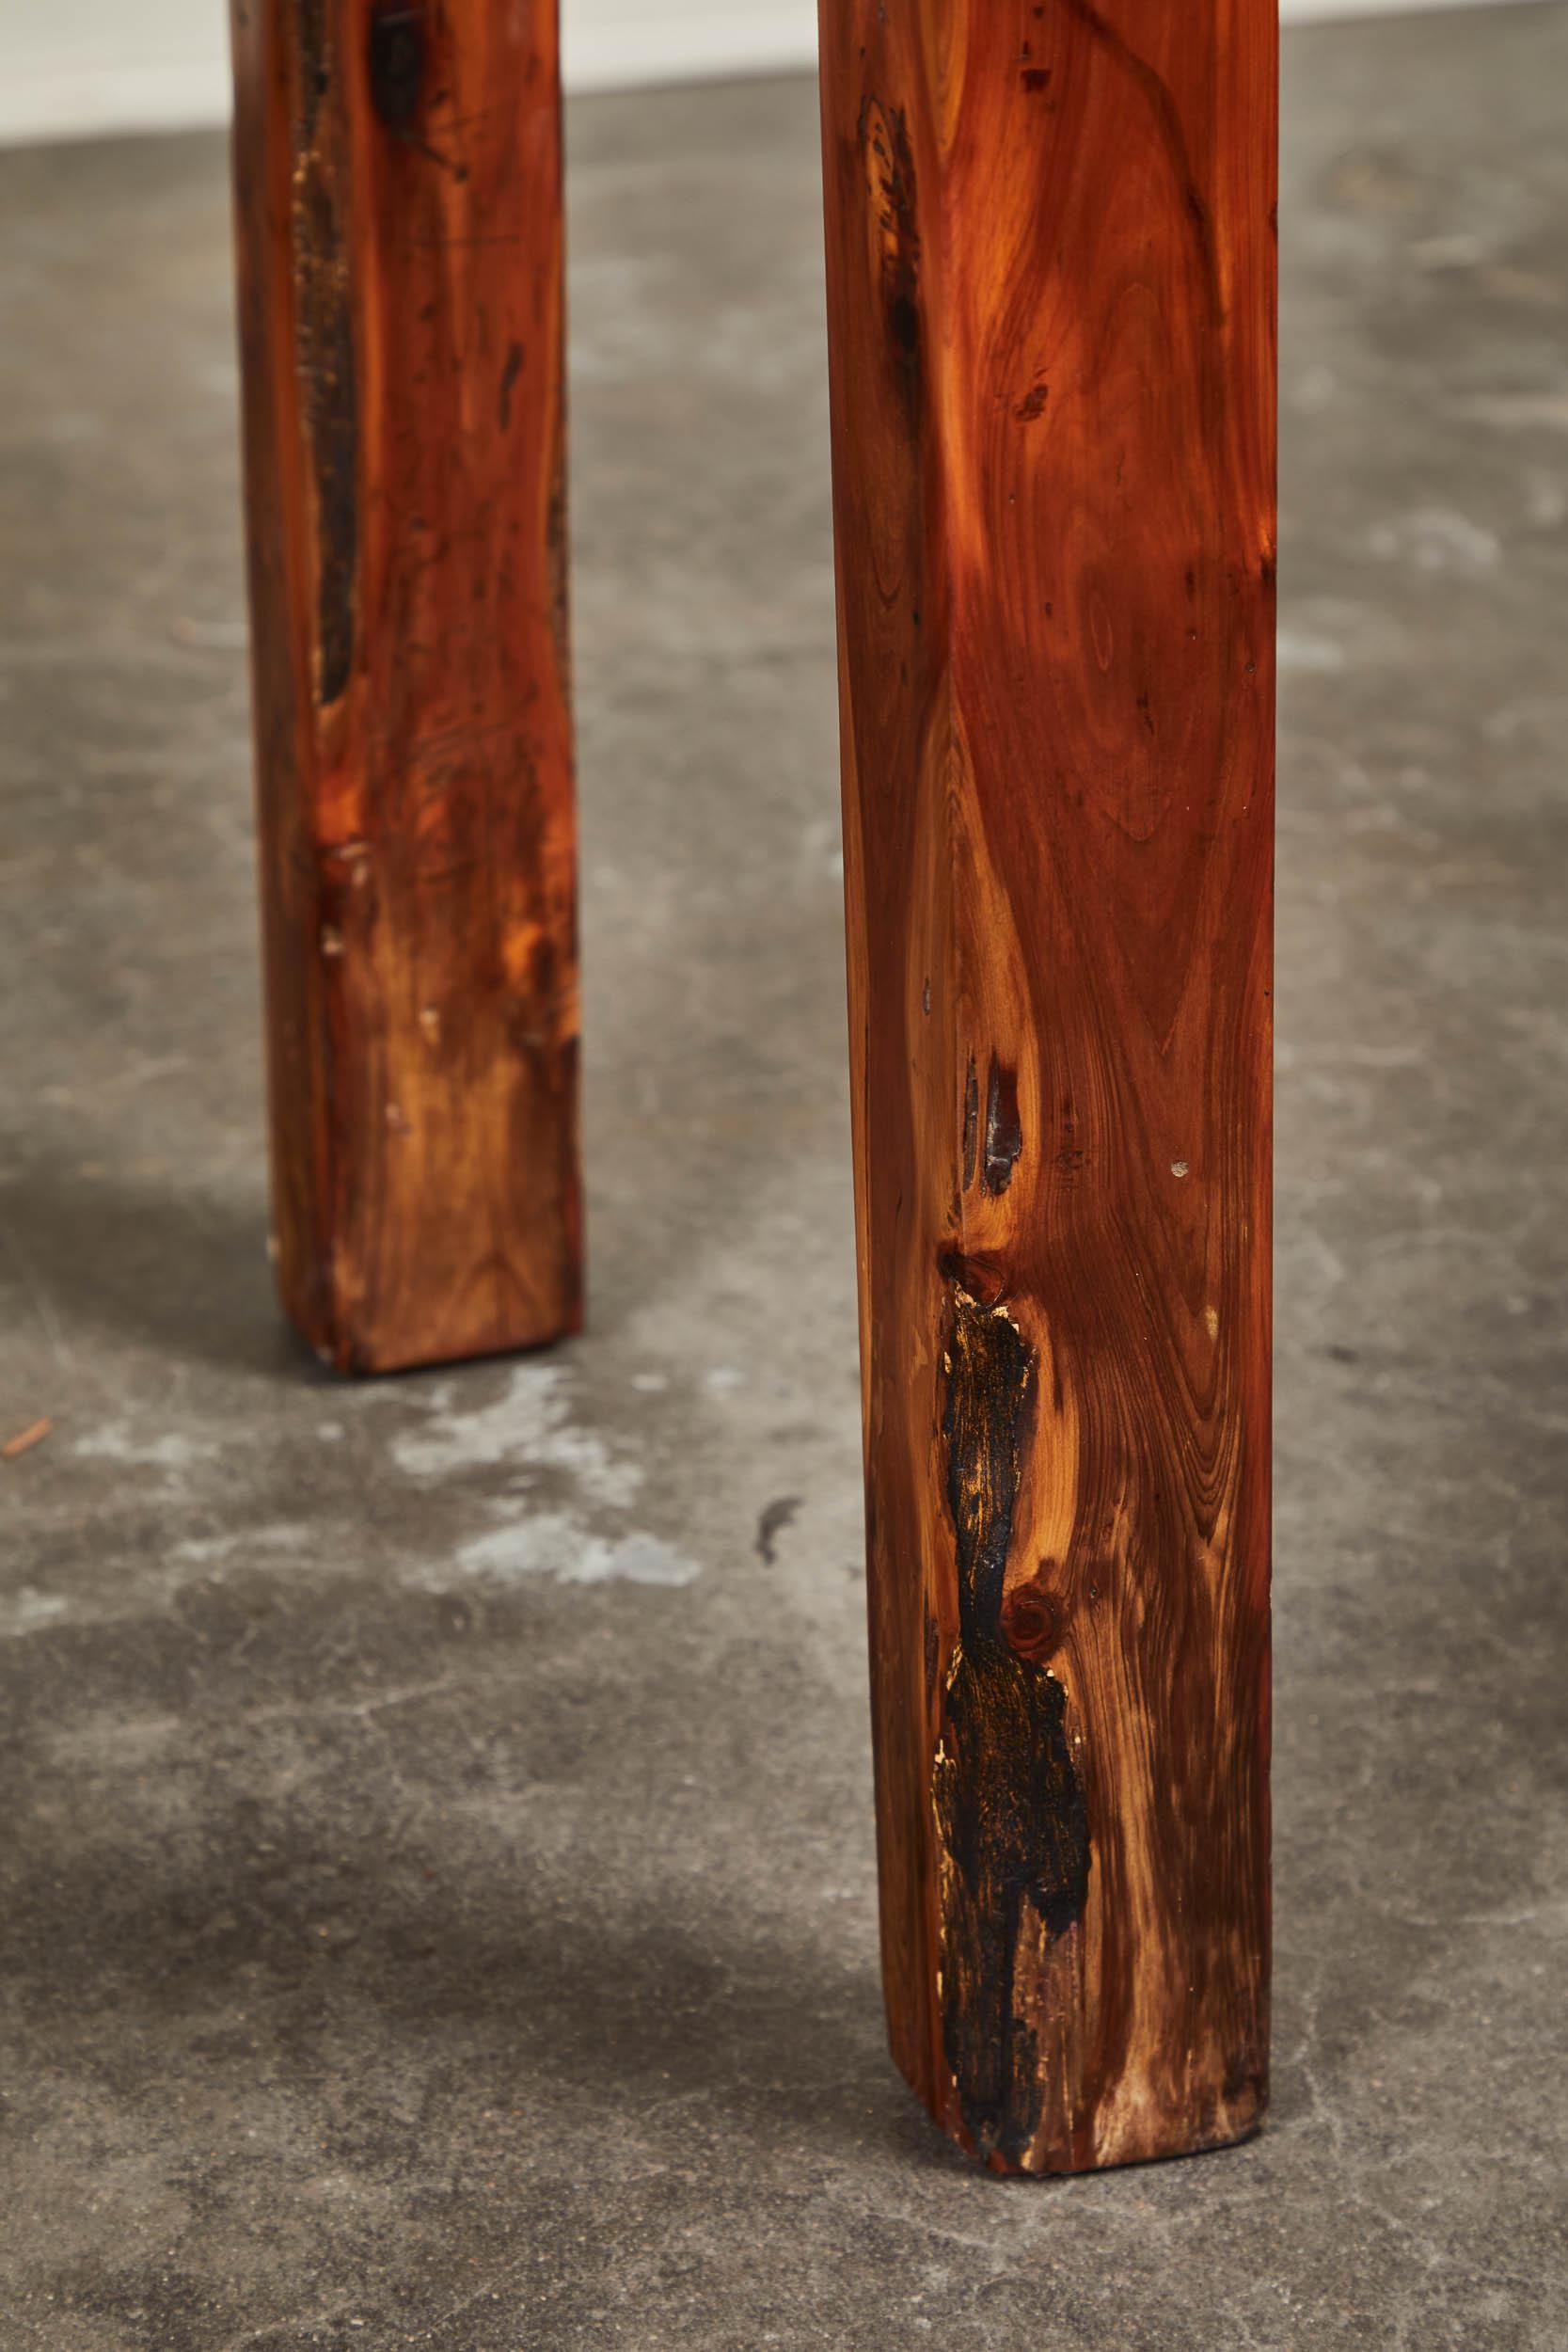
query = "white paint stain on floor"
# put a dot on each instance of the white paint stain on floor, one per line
(527, 1431)
(528, 1427)
(26, 1611)
(548, 1496)
(286, 1535)
(554, 1543)
(116, 1441)
(1436, 540)
(1298, 650)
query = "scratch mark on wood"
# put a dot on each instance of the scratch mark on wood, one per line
(509, 378)
(972, 1124)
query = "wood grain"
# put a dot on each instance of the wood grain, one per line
(1050, 302)
(397, 173)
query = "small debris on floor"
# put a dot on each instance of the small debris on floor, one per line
(25, 1440)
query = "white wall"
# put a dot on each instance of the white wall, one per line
(72, 68)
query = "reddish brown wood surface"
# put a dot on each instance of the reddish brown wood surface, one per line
(397, 216)
(1051, 300)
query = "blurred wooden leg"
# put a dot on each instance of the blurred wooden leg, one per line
(1051, 303)
(397, 173)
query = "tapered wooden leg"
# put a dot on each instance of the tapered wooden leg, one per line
(1051, 303)
(397, 170)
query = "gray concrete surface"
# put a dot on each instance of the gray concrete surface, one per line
(438, 1879)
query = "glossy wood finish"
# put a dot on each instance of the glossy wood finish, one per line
(1051, 300)
(398, 213)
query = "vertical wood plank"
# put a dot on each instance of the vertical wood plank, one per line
(397, 172)
(1051, 305)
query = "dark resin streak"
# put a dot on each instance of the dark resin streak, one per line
(885, 141)
(397, 58)
(1008, 1805)
(326, 332)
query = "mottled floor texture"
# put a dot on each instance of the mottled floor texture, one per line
(439, 1881)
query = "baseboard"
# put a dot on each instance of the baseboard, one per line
(73, 96)
(606, 44)
(619, 44)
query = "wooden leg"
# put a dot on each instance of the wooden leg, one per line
(397, 173)
(1051, 303)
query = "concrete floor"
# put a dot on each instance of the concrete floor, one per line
(438, 1879)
